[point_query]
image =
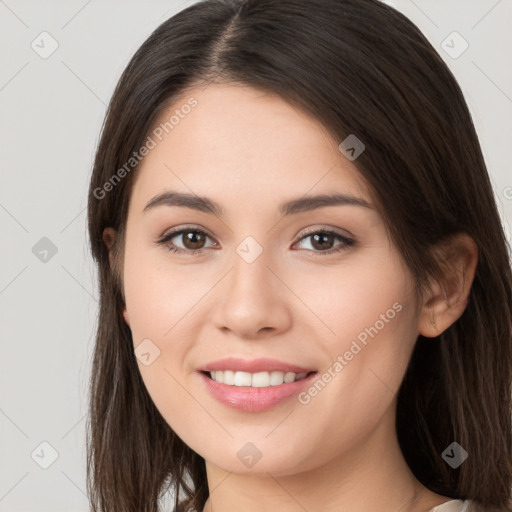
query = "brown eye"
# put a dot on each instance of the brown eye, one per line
(193, 241)
(324, 242)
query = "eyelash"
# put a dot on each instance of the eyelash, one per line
(347, 242)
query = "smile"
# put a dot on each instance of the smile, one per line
(245, 397)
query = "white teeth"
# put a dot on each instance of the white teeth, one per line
(255, 380)
(242, 379)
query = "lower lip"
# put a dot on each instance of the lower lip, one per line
(249, 399)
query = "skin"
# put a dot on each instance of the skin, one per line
(250, 151)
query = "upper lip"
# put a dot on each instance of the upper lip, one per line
(253, 366)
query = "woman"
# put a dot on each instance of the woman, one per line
(306, 294)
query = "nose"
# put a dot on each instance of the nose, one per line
(253, 301)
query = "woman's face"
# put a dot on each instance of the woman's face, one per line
(263, 285)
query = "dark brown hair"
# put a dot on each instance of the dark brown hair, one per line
(361, 68)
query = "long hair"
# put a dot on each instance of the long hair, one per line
(360, 67)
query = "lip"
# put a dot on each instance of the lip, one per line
(249, 399)
(253, 366)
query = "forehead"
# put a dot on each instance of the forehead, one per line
(245, 142)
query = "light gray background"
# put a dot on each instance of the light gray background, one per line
(51, 114)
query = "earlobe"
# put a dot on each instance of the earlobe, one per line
(449, 295)
(125, 316)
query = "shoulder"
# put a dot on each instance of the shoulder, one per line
(453, 506)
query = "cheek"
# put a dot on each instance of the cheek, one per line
(360, 297)
(158, 294)
(160, 308)
(368, 342)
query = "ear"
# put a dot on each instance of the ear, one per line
(449, 295)
(109, 238)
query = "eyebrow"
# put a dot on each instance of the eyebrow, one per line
(302, 204)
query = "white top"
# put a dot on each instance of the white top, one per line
(452, 506)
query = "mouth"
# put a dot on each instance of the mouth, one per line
(258, 394)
